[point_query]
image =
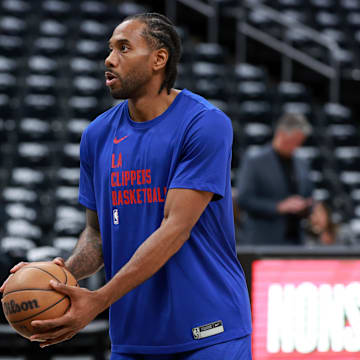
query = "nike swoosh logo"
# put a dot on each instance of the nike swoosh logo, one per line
(116, 141)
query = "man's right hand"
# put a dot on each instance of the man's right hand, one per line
(59, 261)
(293, 205)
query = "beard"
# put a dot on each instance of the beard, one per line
(130, 85)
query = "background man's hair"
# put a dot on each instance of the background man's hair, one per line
(291, 122)
(160, 33)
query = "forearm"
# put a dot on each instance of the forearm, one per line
(145, 262)
(87, 256)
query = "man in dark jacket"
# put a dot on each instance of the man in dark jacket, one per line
(274, 188)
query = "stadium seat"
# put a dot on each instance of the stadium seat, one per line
(70, 156)
(68, 176)
(34, 154)
(12, 25)
(58, 9)
(52, 28)
(257, 134)
(42, 64)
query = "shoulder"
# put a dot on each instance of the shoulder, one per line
(201, 113)
(102, 122)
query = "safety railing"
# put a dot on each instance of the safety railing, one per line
(284, 45)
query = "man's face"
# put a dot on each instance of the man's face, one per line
(290, 141)
(129, 62)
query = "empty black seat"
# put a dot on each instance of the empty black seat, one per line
(292, 92)
(40, 105)
(42, 65)
(67, 176)
(69, 221)
(337, 114)
(248, 72)
(91, 49)
(312, 155)
(67, 195)
(81, 65)
(5, 105)
(348, 158)
(16, 7)
(210, 88)
(7, 83)
(38, 83)
(28, 178)
(32, 129)
(251, 90)
(19, 195)
(51, 46)
(34, 154)
(255, 111)
(43, 253)
(95, 10)
(58, 9)
(52, 27)
(71, 155)
(12, 25)
(20, 211)
(12, 46)
(209, 52)
(350, 180)
(23, 228)
(343, 135)
(326, 19)
(257, 134)
(350, 5)
(87, 85)
(322, 4)
(297, 108)
(75, 128)
(93, 29)
(84, 106)
(7, 65)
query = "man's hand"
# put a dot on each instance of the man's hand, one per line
(85, 306)
(293, 205)
(59, 261)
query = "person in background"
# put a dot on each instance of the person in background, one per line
(274, 188)
(321, 224)
(323, 229)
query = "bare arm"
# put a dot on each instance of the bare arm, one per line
(87, 256)
(183, 208)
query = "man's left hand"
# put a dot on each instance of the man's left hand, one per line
(85, 306)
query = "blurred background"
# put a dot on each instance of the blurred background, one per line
(255, 60)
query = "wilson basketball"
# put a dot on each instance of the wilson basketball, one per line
(28, 295)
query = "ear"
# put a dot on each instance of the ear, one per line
(161, 57)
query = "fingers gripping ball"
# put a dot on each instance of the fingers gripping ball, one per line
(28, 295)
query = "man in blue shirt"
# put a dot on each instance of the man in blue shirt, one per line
(155, 181)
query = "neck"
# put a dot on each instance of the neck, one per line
(151, 105)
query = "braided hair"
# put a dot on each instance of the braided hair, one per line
(160, 33)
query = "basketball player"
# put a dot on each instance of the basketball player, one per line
(155, 181)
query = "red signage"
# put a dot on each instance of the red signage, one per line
(306, 309)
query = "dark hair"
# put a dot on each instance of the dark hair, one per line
(160, 33)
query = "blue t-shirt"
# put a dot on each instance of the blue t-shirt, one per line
(127, 168)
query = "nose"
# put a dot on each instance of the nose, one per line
(110, 61)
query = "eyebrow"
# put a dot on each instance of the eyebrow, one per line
(118, 41)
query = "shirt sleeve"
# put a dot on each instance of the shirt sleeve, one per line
(86, 186)
(205, 158)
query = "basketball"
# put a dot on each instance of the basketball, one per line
(28, 295)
